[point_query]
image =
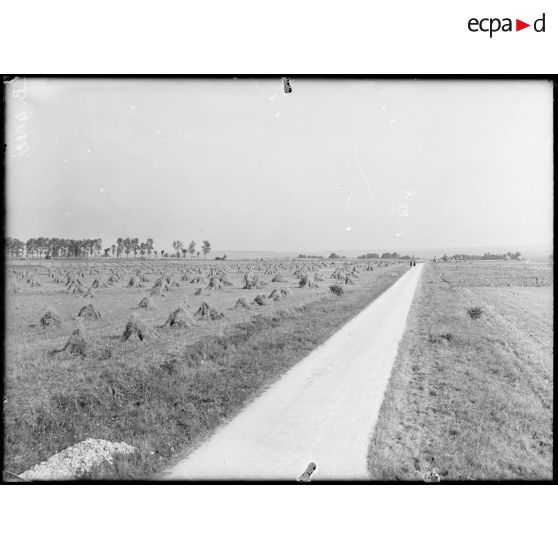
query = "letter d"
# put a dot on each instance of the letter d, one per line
(535, 25)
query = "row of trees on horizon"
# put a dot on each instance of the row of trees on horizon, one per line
(485, 256)
(51, 248)
(384, 256)
(370, 256)
(445, 257)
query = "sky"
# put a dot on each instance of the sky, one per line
(335, 165)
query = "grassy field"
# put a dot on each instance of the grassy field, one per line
(168, 392)
(471, 392)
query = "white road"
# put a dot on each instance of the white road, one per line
(324, 409)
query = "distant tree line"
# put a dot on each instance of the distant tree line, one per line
(14, 246)
(486, 256)
(332, 256)
(53, 247)
(384, 256)
(131, 246)
(180, 249)
(71, 248)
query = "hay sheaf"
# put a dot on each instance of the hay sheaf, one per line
(214, 284)
(252, 281)
(277, 294)
(161, 283)
(51, 319)
(76, 287)
(207, 312)
(136, 329)
(100, 283)
(76, 344)
(259, 301)
(89, 312)
(307, 281)
(134, 282)
(241, 303)
(147, 303)
(179, 319)
(73, 278)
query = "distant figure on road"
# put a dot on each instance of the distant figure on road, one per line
(414, 263)
(411, 263)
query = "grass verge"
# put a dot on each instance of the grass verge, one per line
(470, 396)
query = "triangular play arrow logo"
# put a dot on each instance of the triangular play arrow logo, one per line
(519, 25)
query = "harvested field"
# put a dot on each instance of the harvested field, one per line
(175, 386)
(471, 394)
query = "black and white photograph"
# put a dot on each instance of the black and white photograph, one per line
(269, 278)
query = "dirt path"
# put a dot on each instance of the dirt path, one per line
(324, 409)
